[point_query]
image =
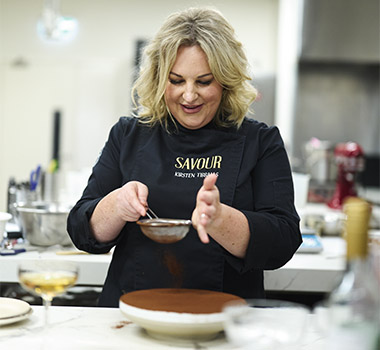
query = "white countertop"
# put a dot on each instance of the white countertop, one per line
(92, 267)
(305, 272)
(312, 272)
(105, 328)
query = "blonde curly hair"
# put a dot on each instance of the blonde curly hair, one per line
(207, 28)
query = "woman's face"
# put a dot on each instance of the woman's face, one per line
(192, 94)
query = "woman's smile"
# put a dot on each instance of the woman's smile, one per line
(191, 109)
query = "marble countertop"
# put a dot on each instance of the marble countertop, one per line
(106, 328)
(310, 272)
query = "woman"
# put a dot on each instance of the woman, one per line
(191, 152)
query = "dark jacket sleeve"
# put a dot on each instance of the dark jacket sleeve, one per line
(105, 177)
(273, 220)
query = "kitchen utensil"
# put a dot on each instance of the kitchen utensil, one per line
(35, 178)
(164, 230)
(150, 214)
(319, 160)
(44, 224)
(349, 158)
(54, 166)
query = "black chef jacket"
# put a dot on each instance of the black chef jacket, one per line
(254, 177)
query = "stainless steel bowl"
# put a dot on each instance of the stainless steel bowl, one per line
(165, 230)
(44, 224)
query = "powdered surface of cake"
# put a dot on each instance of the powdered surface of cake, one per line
(195, 301)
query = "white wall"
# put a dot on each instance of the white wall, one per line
(89, 78)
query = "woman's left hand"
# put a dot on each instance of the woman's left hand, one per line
(207, 208)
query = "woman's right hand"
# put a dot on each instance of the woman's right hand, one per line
(131, 201)
(126, 203)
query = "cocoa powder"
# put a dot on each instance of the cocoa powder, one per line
(174, 267)
(121, 324)
(194, 301)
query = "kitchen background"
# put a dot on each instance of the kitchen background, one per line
(314, 62)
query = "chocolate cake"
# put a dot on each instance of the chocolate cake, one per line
(194, 301)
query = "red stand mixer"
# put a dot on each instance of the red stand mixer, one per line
(349, 158)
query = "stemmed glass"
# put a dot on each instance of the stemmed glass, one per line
(47, 279)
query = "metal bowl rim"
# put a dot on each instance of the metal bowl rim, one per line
(43, 208)
(163, 222)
